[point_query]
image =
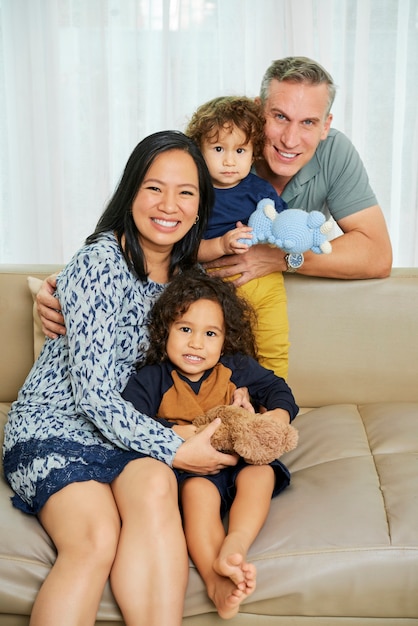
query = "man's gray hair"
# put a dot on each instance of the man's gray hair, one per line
(297, 70)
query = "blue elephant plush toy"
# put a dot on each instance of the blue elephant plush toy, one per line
(292, 230)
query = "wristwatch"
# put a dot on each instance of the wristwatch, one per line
(294, 261)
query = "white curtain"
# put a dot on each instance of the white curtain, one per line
(82, 81)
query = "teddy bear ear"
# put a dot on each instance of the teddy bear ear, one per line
(201, 420)
(210, 415)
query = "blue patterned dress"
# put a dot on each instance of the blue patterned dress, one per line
(69, 422)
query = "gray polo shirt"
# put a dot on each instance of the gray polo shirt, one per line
(334, 181)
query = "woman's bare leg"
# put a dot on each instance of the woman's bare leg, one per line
(83, 522)
(150, 573)
(219, 557)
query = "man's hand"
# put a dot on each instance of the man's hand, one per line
(197, 454)
(49, 309)
(258, 261)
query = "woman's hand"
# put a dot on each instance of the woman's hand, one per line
(197, 454)
(49, 309)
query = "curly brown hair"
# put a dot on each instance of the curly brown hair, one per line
(228, 112)
(185, 289)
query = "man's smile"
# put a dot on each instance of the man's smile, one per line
(287, 155)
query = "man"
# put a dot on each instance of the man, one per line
(314, 167)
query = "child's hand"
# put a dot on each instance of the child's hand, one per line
(280, 414)
(241, 398)
(230, 241)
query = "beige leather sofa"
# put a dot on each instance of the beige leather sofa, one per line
(340, 545)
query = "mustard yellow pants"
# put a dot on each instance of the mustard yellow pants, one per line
(267, 295)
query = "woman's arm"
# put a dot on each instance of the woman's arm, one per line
(103, 331)
(198, 455)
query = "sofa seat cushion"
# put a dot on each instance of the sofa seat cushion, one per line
(341, 541)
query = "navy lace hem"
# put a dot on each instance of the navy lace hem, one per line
(49, 471)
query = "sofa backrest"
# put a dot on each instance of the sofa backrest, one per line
(352, 341)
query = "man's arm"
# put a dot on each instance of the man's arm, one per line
(363, 251)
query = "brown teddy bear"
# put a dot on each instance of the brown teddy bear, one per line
(256, 438)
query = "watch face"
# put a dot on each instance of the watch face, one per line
(295, 260)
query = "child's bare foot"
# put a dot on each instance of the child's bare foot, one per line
(250, 572)
(236, 581)
(234, 578)
(226, 597)
(231, 566)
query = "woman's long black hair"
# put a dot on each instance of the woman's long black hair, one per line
(117, 216)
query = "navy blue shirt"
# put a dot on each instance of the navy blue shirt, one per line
(237, 203)
(159, 390)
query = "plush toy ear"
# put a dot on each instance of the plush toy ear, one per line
(201, 421)
(270, 211)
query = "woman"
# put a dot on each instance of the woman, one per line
(95, 471)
